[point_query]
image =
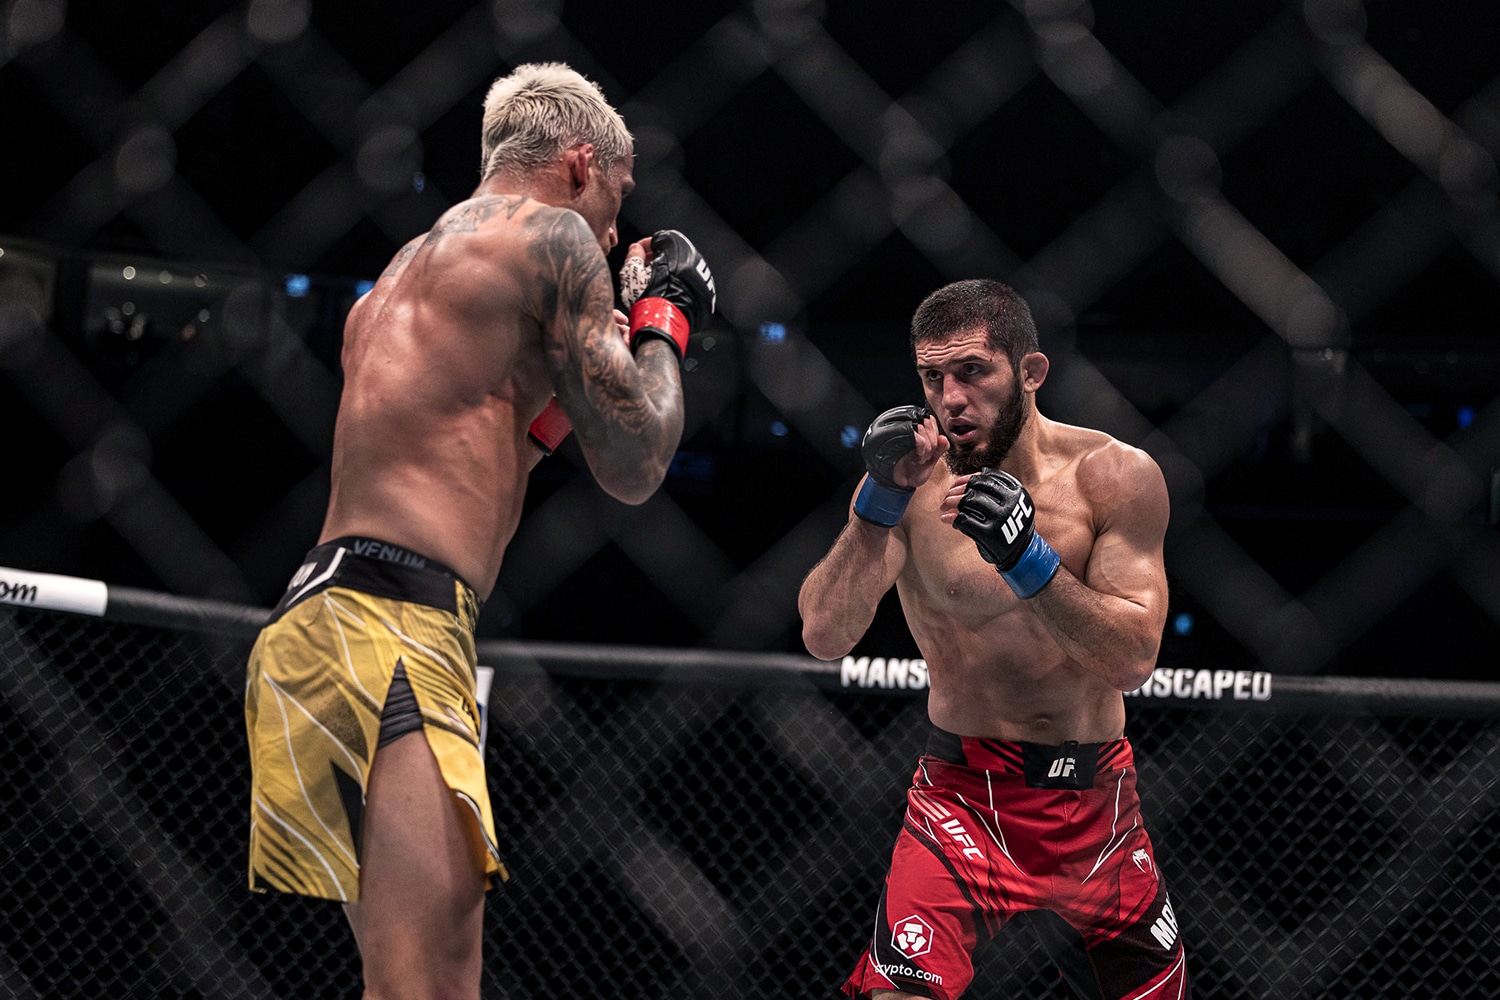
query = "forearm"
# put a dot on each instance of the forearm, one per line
(632, 428)
(839, 597)
(1108, 636)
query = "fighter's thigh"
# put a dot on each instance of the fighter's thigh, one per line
(421, 882)
(1135, 946)
(927, 926)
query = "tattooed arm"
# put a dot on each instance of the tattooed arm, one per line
(626, 411)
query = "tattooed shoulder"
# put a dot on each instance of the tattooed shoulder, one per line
(572, 275)
(398, 263)
(470, 215)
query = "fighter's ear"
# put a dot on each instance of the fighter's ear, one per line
(1034, 367)
(577, 160)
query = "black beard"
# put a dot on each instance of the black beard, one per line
(966, 459)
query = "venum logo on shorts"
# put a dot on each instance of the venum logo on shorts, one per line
(912, 936)
(1143, 861)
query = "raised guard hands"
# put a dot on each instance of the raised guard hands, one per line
(997, 513)
(900, 449)
(679, 296)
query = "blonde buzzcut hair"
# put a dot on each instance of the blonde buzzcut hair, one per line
(539, 110)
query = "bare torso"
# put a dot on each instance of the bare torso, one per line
(444, 369)
(994, 668)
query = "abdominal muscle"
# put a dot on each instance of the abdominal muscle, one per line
(1004, 677)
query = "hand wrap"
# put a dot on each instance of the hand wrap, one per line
(679, 297)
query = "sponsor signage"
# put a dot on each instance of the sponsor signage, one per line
(893, 673)
(912, 936)
(1210, 685)
(57, 593)
(900, 674)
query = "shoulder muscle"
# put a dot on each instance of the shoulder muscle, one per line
(1125, 487)
(572, 277)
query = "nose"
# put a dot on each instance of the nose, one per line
(954, 400)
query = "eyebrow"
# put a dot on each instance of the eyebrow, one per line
(962, 359)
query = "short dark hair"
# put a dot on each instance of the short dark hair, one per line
(964, 305)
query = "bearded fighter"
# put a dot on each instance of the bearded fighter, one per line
(1027, 554)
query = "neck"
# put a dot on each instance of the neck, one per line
(1024, 460)
(537, 185)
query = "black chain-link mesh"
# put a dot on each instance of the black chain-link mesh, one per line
(676, 840)
(1261, 240)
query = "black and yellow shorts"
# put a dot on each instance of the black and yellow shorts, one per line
(358, 615)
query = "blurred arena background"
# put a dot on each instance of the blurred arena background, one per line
(1262, 242)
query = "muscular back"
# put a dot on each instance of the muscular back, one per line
(995, 667)
(445, 366)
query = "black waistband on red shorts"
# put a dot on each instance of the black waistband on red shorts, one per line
(377, 568)
(1066, 765)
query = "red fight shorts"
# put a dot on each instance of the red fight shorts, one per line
(994, 830)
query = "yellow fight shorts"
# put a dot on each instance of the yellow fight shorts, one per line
(357, 614)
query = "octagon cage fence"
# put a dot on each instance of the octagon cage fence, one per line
(685, 824)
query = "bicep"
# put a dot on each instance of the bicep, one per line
(572, 297)
(1126, 560)
(614, 399)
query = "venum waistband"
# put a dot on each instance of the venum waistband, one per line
(1066, 765)
(378, 568)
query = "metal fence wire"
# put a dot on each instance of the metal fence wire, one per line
(1261, 241)
(712, 838)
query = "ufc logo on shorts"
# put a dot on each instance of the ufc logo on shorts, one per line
(957, 832)
(1062, 767)
(1017, 520)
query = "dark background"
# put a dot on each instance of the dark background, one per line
(1261, 241)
